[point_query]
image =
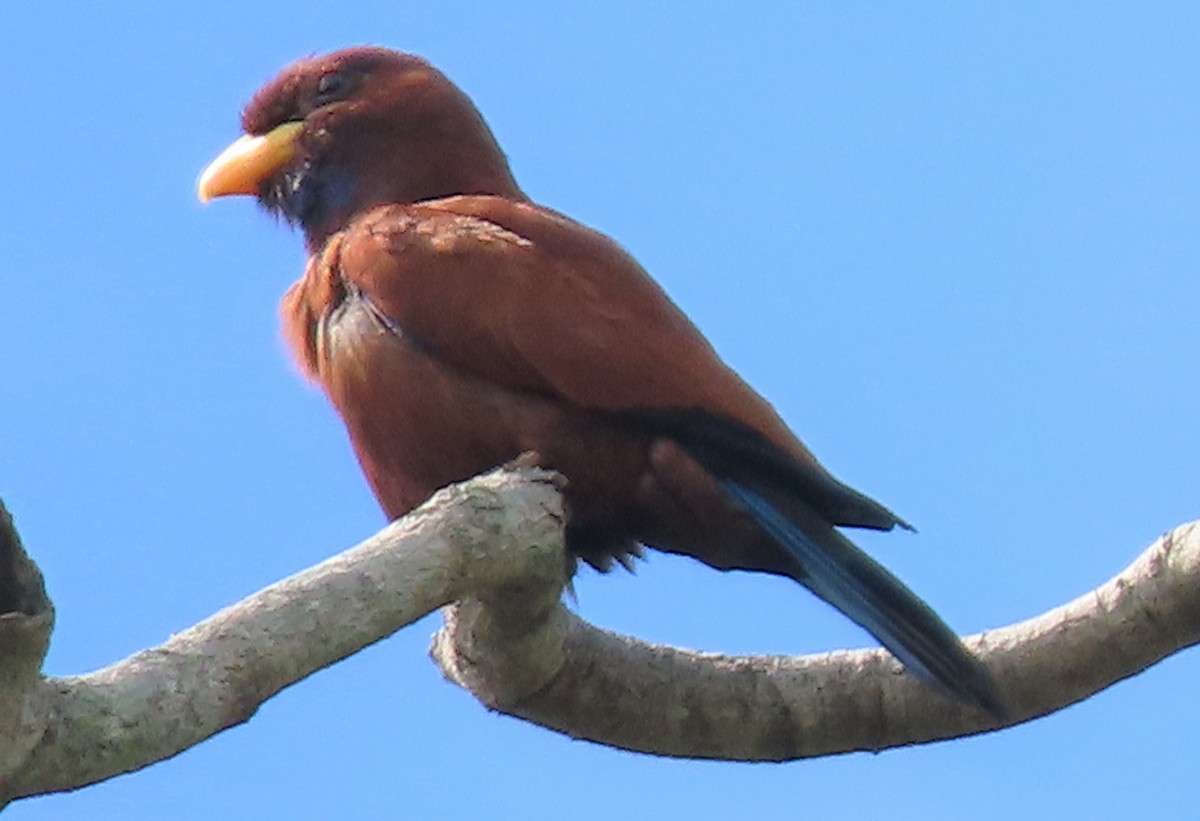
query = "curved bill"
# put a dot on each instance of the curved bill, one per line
(248, 162)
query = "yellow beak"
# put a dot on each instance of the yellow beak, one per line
(248, 162)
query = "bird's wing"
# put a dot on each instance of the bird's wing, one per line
(523, 297)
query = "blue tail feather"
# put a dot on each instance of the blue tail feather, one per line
(832, 567)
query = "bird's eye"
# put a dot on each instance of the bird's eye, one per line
(331, 86)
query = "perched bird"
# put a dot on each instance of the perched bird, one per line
(455, 325)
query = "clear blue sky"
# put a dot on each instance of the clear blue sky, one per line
(956, 245)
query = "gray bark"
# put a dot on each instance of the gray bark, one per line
(489, 551)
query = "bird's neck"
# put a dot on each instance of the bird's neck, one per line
(326, 200)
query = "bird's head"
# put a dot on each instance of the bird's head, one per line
(335, 135)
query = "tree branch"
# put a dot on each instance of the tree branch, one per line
(627, 693)
(490, 552)
(213, 676)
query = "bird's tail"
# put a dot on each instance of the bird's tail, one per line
(797, 506)
(832, 567)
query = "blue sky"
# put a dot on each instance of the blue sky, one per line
(955, 245)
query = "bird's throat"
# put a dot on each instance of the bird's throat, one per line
(315, 198)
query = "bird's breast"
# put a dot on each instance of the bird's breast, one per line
(418, 424)
(414, 424)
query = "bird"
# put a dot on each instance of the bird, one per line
(455, 324)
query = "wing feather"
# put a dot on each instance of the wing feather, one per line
(527, 299)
